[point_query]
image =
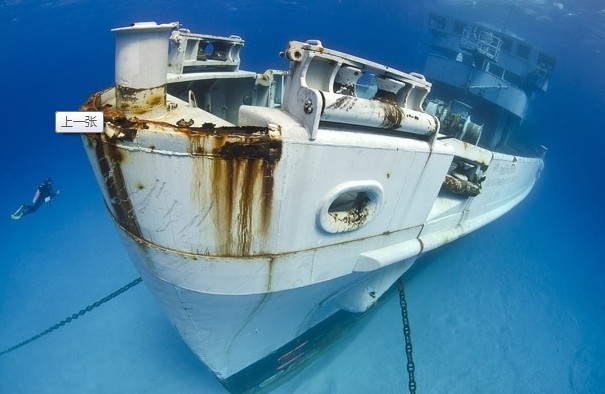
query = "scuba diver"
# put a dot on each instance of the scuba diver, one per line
(44, 193)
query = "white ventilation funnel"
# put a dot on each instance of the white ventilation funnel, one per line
(141, 67)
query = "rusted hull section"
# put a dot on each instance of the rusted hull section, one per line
(220, 179)
(137, 102)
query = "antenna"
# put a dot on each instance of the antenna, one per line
(512, 7)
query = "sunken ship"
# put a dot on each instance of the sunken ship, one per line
(263, 208)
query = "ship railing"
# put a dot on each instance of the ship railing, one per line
(484, 42)
(204, 70)
(328, 86)
(539, 77)
(191, 52)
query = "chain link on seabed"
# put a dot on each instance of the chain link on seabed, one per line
(82, 312)
(74, 316)
(408, 337)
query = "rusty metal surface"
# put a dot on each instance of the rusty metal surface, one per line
(460, 186)
(109, 160)
(232, 177)
(138, 102)
(376, 113)
(355, 217)
(243, 194)
(393, 116)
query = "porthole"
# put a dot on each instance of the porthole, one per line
(350, 206)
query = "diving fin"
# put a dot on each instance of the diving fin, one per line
(18, 213)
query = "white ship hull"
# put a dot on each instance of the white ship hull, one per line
(235, 311)
(263, 230)
(248, 339)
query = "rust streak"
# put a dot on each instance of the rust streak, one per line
(393, 116)
(344, 103)
(233, 176)
(110, 158)
(242, 186)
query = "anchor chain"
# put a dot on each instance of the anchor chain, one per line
(74, 316)
(407, 336)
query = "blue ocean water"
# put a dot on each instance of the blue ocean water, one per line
(517, 306)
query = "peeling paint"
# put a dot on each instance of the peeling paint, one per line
(140, 101)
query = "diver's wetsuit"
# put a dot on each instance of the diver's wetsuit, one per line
(44, 193)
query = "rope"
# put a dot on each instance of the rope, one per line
(74, 316)
(407, 335)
